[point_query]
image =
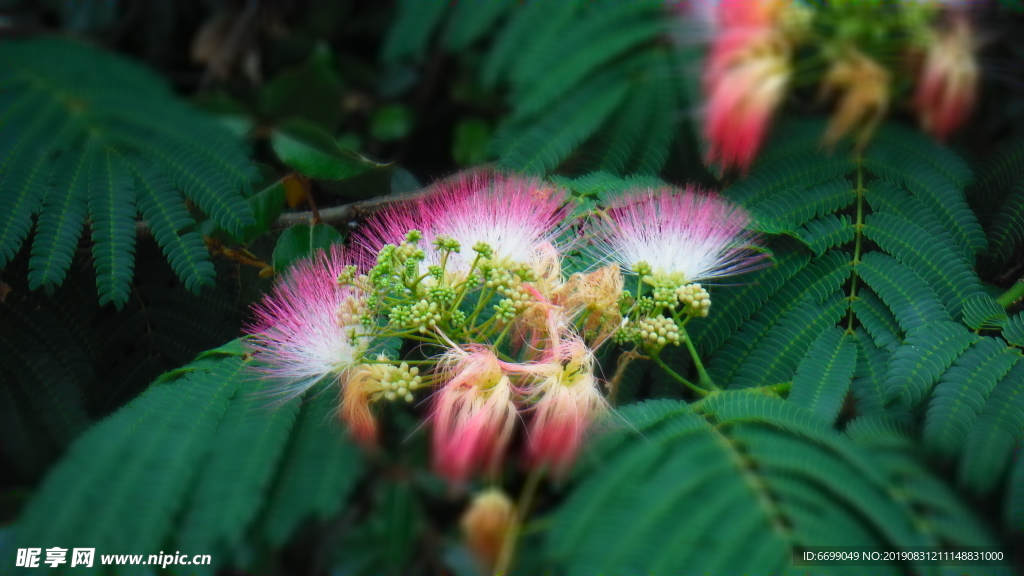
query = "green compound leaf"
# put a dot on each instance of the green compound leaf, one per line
(981, 312)
(123, 482)
(823, 377)
(790, 209)
(1013, 330)
(90, 137)
(201, 460)
(911, 300)
(869, 375)
(877, 319)
(753, 476)
(318, 471)
(961, 394)
(826, 232)
(951, 278)
(940, 196)
(243, 457)
(812, 285)
(988, 449)
(924, 355)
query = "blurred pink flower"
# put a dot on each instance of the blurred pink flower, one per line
(948, 84)
(745, 79)
(697, 235)
(472, 415)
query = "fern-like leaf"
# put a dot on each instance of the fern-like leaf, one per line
(869, 375)
(911, 300)
(544, 144)
(573, 55)
(167, 217)
(826, 232)
(790, 209)
(751, 476)
(468, 21)
(961, 393)
(1013, 330)
(243, 456)
(318, 471)
(981, 312)
(812, 285)
(924, 355)
(736, 304)
(879, 431)
(1007, 229)
(823, 377)
(79, 121)
(112, 207)
(940, 196)
(122, 482)
(877, 319)
(775, 357)
(940, 268)
(415, 25)
(988, 448)
(60, 222)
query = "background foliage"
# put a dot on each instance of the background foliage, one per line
(196, 183)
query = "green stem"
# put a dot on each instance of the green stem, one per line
(465, 285)
(657, 360)
(485, 296)
(705, 378)
(508, 546)
(501, 336)
(858, 229)
(1016, 292)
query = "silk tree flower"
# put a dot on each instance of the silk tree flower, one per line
(863, 88)
(745, 79)
(519, 218)
(372, 382)
(948, 84)
(684, 234)
(593, 297)
(473, 414)
(305, 330)
(568, 401)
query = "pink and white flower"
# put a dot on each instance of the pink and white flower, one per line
(304, 330)
(568, 403)
(745, 79)
(678, 232)
(473, 414)
(517, 217)
(948, 83)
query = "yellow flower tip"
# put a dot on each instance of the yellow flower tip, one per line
(863, 87)
(594, 297)
(358, 390)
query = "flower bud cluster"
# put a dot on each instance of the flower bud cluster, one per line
(421, 316)
(695, 299)
(658, 331)
(399, 382)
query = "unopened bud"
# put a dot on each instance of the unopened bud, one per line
(485, 525)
